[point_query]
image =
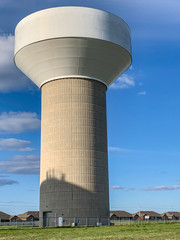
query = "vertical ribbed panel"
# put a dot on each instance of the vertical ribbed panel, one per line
(74, 165)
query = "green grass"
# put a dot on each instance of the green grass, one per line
(157, 231)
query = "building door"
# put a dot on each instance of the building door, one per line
(44, 219)
(48, 219)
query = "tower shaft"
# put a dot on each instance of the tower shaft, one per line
(74, 165)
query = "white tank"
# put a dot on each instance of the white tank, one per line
(68, 42)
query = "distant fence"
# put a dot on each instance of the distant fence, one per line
(60, 222)
(137, 222)
(70, 222)
(67, 221)
(28, 223)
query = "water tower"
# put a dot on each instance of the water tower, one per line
(73, 54)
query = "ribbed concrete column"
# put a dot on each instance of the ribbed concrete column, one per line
(74, 166)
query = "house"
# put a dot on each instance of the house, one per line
(171, 216)
(14, 218)
(164, 216)
(4, 217)
(146, 215)
(29, 216)
(120, 215)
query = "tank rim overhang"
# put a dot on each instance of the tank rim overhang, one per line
(24, 37)
(73, 7)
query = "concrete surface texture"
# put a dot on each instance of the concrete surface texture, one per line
(74, 164)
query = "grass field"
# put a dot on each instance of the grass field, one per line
(139, 232)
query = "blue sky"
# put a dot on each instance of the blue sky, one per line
(143, 111)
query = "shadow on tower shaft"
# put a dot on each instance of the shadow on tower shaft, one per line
(63, 199)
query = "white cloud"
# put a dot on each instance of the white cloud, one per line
(11, 79)
(13, 144)
(161, 188)
(116, 149)
(21, 164)
(142, 93)
(6, 48)
(4, 182)
(117, 187)
(17, 122)
(124, 81)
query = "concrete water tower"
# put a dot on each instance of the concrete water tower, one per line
(73, 54)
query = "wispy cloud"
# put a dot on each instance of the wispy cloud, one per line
(17, 122)
(169, 11)
(117, 187)
(11, 79)
(162, 26)
(13, 144)
(32, 190)
(142, 93)
(123, 82)
(126, 150)
(116, 149)
(131, 189)
(21, 164)
(131, 68)
(4, 182)
(161, 188)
